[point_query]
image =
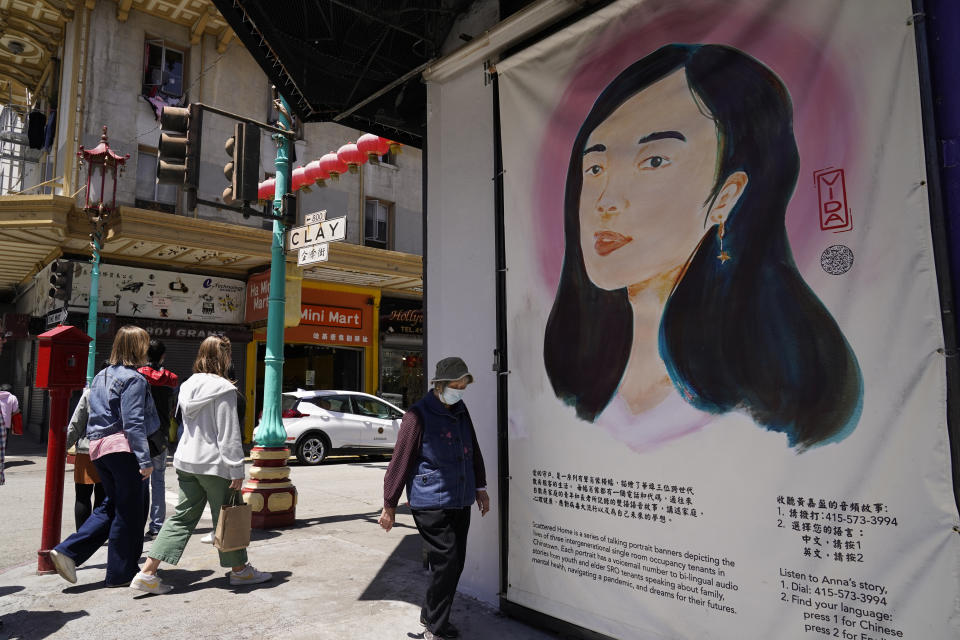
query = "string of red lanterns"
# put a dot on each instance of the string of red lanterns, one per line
(331, 166)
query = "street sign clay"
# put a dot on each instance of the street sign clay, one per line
(308, 235)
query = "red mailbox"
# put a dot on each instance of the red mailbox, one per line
(62, 358)
(61, 368)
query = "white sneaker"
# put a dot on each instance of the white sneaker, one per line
(150, 584)
(207, 539)
(249, 575)
(65, 566)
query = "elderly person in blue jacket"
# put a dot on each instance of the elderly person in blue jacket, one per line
(438, 460)
(122, 416)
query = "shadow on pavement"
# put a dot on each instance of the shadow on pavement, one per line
(5, 591)
(392, 581)
(279, 577)
(372, 465)
(184, 581)
(83, 588)
(264, 534)
(255, 534)
(33, 625)
(372, 517)
(17, 463)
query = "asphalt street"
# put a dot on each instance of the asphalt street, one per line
(336, 573)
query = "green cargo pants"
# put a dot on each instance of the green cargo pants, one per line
(195, 492)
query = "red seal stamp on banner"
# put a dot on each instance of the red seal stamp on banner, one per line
(832, 199)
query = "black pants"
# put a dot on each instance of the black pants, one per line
(81, 506)
(119, 520)
(444, 533)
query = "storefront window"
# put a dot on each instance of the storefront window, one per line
(401, 376)
(308, 366)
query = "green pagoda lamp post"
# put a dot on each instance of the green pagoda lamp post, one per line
(269, 492)
(100, 202)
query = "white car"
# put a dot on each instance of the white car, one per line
(320, 423)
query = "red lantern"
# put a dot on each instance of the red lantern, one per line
(316, 174)
(265, 190)
(300, 180)
(396, 147)
(373, 146)
(333, 165)
(350, 154)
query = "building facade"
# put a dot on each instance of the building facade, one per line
(165, 267)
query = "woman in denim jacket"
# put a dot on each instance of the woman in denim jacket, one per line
(122, 415)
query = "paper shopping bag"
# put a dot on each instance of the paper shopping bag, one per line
(16, 424)
(233, 525)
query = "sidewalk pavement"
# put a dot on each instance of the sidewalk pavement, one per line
(336, 573)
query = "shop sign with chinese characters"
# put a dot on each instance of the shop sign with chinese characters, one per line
(335, 318)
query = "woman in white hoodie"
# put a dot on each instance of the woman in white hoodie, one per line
(209, 465)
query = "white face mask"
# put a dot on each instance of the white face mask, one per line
(451, 395)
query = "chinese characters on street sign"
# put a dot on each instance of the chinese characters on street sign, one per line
(311, 241)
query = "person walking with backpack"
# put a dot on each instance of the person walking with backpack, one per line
(209, 463)
(162, 383)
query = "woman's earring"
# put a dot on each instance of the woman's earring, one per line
(724, 256)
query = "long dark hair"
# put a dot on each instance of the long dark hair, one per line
(747, 334)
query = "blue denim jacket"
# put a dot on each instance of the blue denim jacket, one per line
(120, 400)
(444, 477)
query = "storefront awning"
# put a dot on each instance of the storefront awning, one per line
(37, 229)
(32, 229)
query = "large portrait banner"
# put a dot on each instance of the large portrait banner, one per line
(727, 398)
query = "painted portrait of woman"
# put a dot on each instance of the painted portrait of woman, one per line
(678, 278)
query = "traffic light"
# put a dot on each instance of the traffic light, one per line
(179, 149)
(243, 169)
(61, 280)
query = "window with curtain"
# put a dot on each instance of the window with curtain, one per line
(377, 224)
(162, 70)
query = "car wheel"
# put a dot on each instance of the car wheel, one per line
(313, 448)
